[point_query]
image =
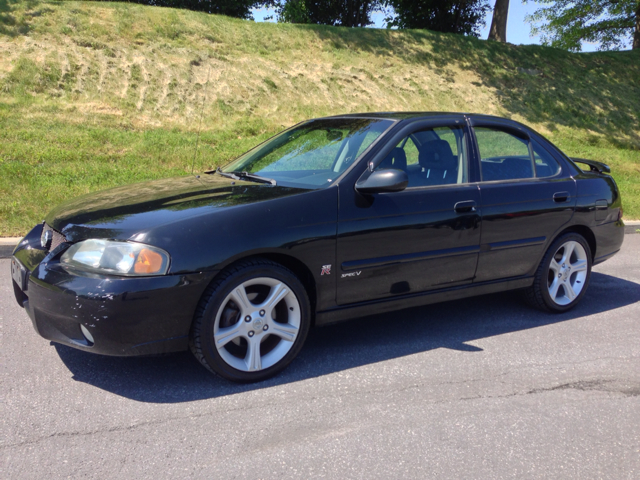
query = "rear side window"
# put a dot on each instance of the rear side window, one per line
(546, 165)
(503, 156)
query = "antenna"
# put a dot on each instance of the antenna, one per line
(204, 99)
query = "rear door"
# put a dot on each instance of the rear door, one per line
(526, 195)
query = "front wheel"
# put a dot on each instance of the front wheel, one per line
(563, 275)
(252, 321)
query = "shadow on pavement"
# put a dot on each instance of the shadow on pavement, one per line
(180, 378)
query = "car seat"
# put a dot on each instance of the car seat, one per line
(439, 165)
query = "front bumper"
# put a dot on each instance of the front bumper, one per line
(123, 315)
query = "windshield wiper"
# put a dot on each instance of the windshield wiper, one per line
(224, 174)
(244, 176)
(254, 177)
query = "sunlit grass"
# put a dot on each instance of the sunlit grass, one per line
(96, 94)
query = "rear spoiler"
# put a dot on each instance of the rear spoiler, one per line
(593, 165)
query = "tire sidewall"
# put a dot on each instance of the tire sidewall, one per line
(545, 271)
(210, 352)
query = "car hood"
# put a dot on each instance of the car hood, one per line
(119, 213)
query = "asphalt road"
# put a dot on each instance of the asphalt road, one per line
(484, 388)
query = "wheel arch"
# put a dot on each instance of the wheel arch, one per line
(298, 267)
(585, 232)
(301, 271)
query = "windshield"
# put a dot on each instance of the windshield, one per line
(313, 154)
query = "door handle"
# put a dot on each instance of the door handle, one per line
(561, 197)
(465, 207)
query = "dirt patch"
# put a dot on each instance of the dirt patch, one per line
(101, 108)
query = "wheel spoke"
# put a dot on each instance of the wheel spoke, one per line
(275, 296)
(253, 359)
(284, 331)
(568, 291)
(225, 335)
(239, 295)
(554, 266)
(579, 266)
(568, 250)
(257, 343)
(553, 288)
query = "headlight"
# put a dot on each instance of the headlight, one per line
(116, 258)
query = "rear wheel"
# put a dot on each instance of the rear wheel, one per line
(251, 322)
(563, 275)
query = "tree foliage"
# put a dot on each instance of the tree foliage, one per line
(454, 16)
(345, 13)
(568, 23)
(231, 8)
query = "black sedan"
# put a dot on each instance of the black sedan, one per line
(333, 218)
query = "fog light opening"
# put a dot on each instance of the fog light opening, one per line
(87, 335)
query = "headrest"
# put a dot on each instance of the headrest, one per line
(437, 154)
(396, 159)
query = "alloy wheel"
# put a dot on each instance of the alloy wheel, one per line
(567, 274)
(257, 324)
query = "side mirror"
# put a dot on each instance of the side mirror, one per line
(390, 180)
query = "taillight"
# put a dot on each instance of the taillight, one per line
(620, 213)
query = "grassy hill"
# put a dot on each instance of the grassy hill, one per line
(94, 95)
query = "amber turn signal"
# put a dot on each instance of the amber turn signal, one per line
(148, 262)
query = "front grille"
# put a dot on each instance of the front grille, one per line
(56, 239)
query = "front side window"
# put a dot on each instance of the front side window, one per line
(431, 157)
(311, 155)
(503, 156)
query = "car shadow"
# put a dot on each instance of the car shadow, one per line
(180, 378)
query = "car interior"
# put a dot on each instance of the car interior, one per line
(430, 157)
(437, 157)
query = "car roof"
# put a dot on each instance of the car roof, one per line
(397, 115)
(425, 115)
(403, 116)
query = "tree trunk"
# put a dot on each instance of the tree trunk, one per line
(636, 33)
(498, 31)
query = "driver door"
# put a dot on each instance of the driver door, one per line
(422, 238)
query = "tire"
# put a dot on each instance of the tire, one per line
(563, 275)
(251, 322)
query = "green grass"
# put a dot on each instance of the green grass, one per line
(96, 94)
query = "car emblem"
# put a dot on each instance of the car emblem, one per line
(326, 270)
(352, 274)
(45, 239)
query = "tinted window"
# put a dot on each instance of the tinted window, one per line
(450, 136)
(430, 157)
(546, 165)
(503, 156)
(411, 151)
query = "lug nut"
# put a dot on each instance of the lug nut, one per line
(262, 312)
(247, 318)
(251, 333)
(265, 328)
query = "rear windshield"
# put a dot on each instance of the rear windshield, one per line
(311, 155)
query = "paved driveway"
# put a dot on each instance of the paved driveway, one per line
(480, 388)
